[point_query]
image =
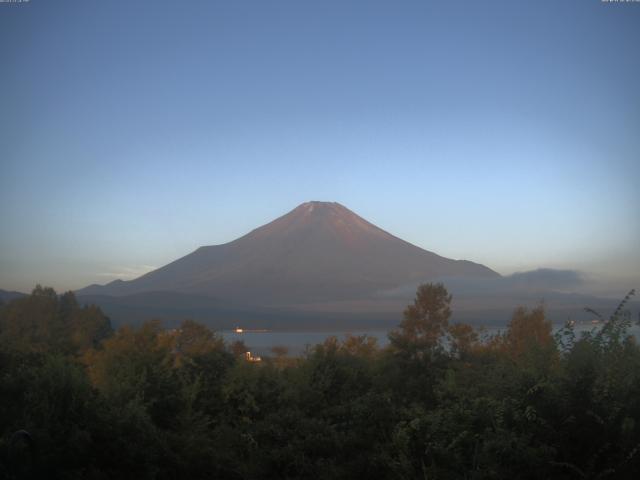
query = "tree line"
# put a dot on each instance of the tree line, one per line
(79, 400)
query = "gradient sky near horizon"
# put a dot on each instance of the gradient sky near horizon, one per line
(132, 132)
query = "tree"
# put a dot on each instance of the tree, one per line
(43, 322)
(529, 333)
(190, 341)
(425, 322)
(239, 348)
(360, 345)
(463, 339)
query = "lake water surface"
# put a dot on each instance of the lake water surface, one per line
(261, 342)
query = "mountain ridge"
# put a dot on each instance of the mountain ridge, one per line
(318, 251)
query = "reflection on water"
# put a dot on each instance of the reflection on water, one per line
(261, 342)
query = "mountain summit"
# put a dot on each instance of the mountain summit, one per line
(319, 251)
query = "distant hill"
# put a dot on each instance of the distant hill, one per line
(6, 296)
(318, 252)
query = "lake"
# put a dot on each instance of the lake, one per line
(261, 342)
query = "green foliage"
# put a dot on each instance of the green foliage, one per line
(46, 322)
(439, 402)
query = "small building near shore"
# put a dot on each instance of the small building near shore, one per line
(251, 358)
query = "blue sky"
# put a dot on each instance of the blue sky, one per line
(503, 132)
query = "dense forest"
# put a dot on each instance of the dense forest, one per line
(79, 400)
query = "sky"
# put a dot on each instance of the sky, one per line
(503, 132)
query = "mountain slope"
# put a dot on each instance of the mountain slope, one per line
(319, 251)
